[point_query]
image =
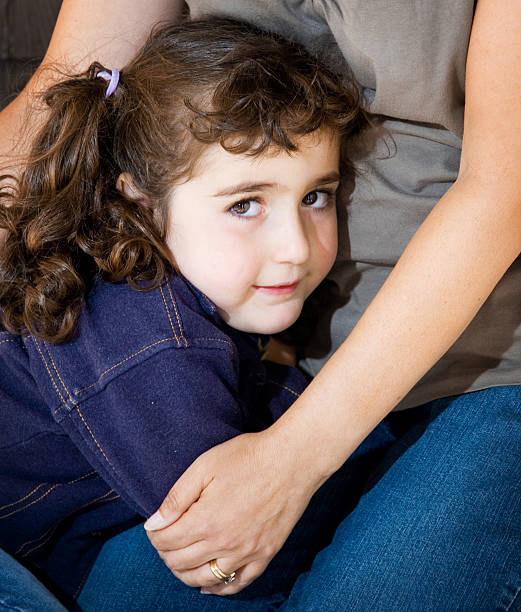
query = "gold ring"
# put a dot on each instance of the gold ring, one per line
(218, 573)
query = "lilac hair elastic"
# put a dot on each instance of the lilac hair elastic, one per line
(113, 79)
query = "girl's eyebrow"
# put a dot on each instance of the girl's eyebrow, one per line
(334, 177)
(243, 188)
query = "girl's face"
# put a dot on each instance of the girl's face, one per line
(258, 234)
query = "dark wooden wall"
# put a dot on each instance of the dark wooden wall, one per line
(25, 30)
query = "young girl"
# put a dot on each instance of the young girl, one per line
(168, 219)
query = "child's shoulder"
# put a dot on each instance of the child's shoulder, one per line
(125, 321)
(120, 328)
(175, 309)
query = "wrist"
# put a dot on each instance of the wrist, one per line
(298, 448)
(316, 435)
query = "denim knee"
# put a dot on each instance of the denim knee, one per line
(21, 591)
(437, 528)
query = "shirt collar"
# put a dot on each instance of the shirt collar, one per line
(210, 309)
(205, 302)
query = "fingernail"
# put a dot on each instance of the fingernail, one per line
(156, 521)
(205, 591)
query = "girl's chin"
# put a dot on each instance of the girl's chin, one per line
(267, 328)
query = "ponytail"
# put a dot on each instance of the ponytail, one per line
(66, 222)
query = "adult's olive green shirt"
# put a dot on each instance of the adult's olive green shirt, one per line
(408, 56)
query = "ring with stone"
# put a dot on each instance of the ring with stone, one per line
(218, 573)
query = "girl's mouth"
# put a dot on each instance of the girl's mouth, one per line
(284, 289)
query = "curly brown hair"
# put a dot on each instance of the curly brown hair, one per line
(191, 85)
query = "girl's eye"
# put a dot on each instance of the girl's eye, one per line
(246, 208)
(318, 199)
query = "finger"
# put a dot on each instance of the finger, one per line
(198, 577)
(181, 496)
(188, 530)
(203, 576)
(244, 576)
(189, 558)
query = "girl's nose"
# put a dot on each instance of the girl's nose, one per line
(292, 241)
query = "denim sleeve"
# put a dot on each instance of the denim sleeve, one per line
(144, 428)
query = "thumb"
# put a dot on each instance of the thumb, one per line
(181, 496)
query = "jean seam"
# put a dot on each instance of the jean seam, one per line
(513, 599)
(31, 503)
(177, 315)
(17, 501)
(58, 374)
(285, 387)
(117, 365)
(63, 400)
(53, 487)
(222, 340)
(8, 607)
(100, 448)
(47, 535)
(82, 583)
(172, 326)
(123, 361)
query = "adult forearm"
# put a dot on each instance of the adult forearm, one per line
(440, 282)
(447, 271)
(86, 30)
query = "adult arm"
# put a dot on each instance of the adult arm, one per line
(86, 30)
(263, 482)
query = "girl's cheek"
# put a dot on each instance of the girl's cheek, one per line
(329, 244)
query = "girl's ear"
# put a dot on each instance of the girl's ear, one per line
(125, 185)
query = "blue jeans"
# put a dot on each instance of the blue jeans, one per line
(428, 518)
(20, 591)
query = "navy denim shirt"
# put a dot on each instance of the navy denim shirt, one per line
(94, 432)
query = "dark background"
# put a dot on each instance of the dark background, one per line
(25, 30)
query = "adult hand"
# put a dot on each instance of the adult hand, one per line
(236, 503)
